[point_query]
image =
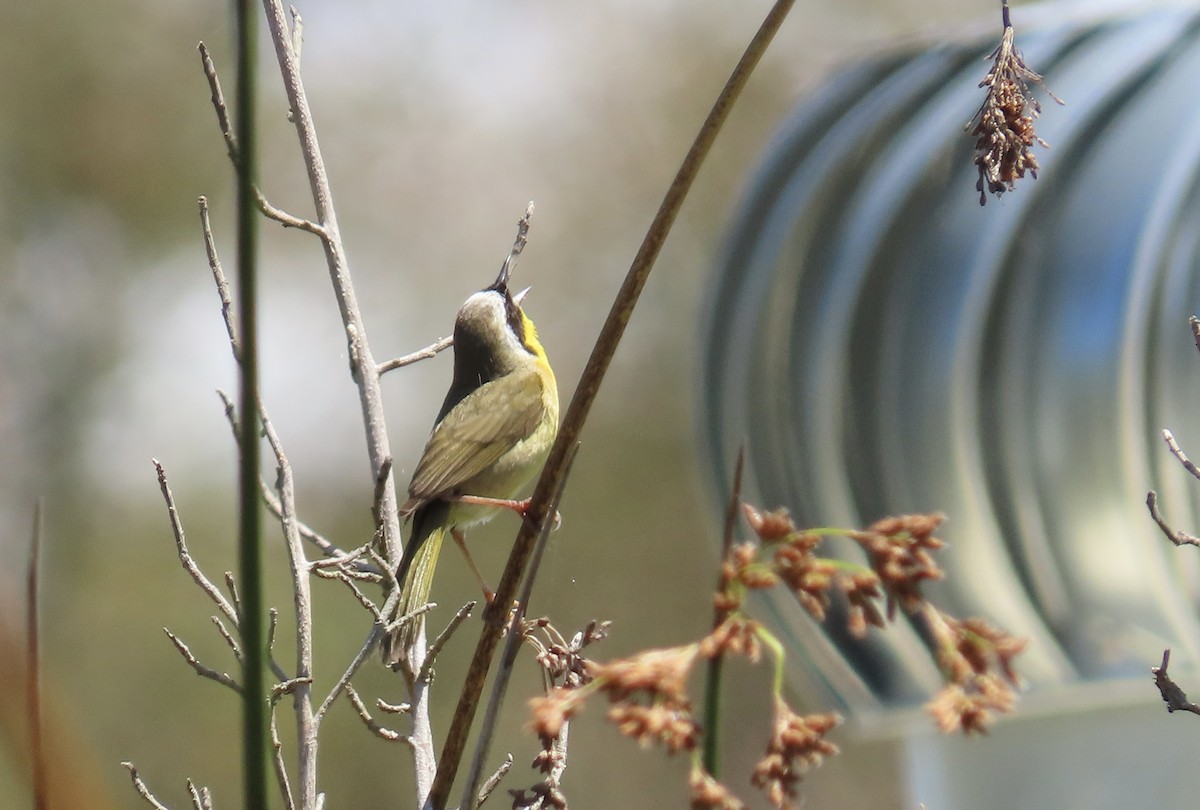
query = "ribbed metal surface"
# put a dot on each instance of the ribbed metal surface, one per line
(883, 344)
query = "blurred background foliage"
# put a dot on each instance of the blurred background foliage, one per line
(439, 122)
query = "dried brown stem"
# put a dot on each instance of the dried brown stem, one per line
(1176, 536)
(585, 394)
(1172, 695)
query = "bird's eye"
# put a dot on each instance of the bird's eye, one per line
(516, 321)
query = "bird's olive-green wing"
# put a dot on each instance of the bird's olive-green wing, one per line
(485, 425)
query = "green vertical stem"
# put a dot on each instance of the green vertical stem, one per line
(33, 662)
(252, 620)
(712, 679)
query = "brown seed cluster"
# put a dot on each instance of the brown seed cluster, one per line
(648, 692)
(1003, 126)
(898, 550)
(797, 744)
(976, 660)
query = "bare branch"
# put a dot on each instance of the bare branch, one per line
(223, 678)
(185, 557)
(408, 617)
(300, 686)
(432, 350)
(494, 780)
(364, 369)
(201, 798)
(214, 263)
(141, 788)
(382, 477)
(392, 708)
(364, 651)
(1176, 536)
(438, 643)
(231, 145)
(1177, 451)
(380, 731)
(288, 687)
(271, 500)
(234, 598)
(229, 639)
(281, 774)
(1172, 695)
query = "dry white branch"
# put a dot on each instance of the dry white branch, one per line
(438, 643)
(378, 730)
(229, 639)
(223, 678)
(281, 774)
(201, 797)
(392, 708)
(141, 788)
(300, 687)
(185, 557)
(432, 350)
(494, 780)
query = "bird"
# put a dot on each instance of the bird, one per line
(492, 435)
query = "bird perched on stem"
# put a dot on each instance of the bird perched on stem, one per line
(491, 437)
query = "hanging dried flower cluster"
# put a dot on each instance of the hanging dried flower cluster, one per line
(648, 692)
(1003, 126)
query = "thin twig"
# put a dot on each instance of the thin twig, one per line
(373, 637)
(223, 678)
(1176, 536)
(141, 788)
(1177, 451)
(585, 395)
(382, 477)
(281, 774)
(229, 639)
(189, 564)
(378, 730)
(271, 500)
(214, 262)
(234, 599)
(392, 708)
(272, 627)
(195, 794)
(431, 654)
(495, 779)
(1172, 695)
(363, 653)
(432, 350)
(33, 666)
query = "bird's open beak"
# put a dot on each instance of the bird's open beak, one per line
(519, 297)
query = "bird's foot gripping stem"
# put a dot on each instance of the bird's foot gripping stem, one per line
(521, 507)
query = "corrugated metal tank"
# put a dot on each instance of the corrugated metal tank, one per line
(884, 344)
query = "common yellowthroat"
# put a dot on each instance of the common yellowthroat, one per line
(492, 435)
